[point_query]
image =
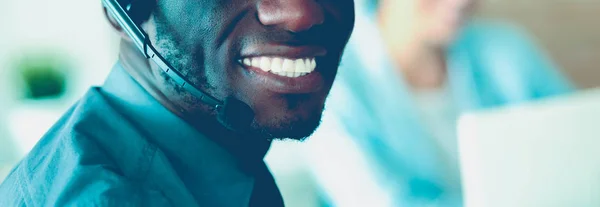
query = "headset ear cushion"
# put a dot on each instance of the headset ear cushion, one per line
(235, 115)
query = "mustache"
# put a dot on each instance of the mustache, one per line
(328, 36)
(331, 34)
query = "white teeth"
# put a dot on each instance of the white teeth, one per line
(299, 66)
(288, 65)
(282, 66)
(276, 65)
(255, 62)
(265, 63)
(247, 61)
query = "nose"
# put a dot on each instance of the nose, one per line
(292, 15)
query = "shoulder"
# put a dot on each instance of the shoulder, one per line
(73, 138)
(501, 47)
(71, 163)
(513, 59)
(496, 39)
(93, 185)
(491, 31)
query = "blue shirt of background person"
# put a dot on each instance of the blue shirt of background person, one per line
(411, 68)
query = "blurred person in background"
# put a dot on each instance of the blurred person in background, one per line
(412, 67)
(145, 139)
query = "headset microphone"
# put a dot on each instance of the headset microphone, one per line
(232, 113)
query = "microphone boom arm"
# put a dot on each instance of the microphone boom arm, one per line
(141, 40)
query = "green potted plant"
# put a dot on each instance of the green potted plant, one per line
(43, 76)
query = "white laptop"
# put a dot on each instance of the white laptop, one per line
(541, 154)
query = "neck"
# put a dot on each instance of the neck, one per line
(196, 114)
(423, 66)
(140, 69)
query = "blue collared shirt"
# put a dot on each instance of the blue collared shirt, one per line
(118, 146)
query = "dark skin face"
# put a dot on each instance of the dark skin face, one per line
(206, 40)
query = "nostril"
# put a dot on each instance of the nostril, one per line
(293, 15)
(303, 23)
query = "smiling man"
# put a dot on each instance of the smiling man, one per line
(151, 138)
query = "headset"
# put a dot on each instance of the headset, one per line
(232, 113)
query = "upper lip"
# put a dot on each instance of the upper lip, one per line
(286, 51)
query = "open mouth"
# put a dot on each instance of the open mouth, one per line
(284, 69)
(282, 66)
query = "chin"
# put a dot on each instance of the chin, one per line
(443, 35)
(297, 130)
(294, 126)
(441, 40)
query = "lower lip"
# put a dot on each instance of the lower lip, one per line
(309, 83)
